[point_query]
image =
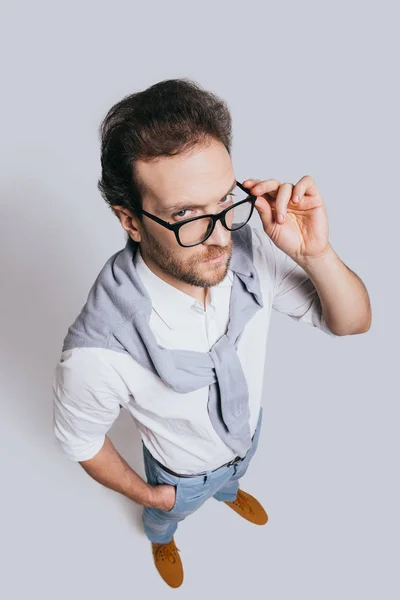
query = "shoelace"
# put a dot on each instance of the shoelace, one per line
(168, 552)
(241, 502)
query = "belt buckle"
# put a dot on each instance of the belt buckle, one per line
(234, 461)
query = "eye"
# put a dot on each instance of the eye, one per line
(179, 214)
(229, 199)
(226, 200)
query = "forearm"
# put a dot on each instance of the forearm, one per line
(111, 470)
(344, 298)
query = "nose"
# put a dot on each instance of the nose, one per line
(219, 237)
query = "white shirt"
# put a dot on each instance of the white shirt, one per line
(90, 384)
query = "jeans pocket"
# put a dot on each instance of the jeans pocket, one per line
(194, 494)
(177, 495)
(155, 475)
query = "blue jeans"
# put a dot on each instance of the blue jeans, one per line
(191, 492)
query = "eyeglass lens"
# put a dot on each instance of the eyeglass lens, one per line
(196, 232)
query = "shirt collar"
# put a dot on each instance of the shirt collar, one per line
(169, 302)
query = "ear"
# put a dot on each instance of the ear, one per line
(129, 222)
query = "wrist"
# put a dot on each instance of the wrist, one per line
(151, 496)
(311, 262)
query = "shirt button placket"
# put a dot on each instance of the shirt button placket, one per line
(210, 327)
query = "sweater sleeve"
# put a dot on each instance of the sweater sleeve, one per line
(87, 394)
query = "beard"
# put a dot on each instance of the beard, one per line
(191, 270)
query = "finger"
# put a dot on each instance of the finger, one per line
(265, 187)
(265, 211)
(305, 185)
(282, 200)
(249, 183)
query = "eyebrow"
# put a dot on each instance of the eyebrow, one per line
(182, 205)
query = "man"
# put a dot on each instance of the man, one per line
(175, 326)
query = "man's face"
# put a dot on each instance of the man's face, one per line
(202, 179)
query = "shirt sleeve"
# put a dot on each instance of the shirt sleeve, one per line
(294, 293)
(87, 394)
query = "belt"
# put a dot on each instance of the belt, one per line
(234, 461)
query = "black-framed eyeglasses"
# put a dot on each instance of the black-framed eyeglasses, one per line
(192, 232)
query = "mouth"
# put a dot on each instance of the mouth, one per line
(215, 260)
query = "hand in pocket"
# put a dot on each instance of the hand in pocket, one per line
(164, 496)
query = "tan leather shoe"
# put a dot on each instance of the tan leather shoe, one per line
(249, 508)
(168, 562)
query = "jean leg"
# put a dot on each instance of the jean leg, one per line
(157, 528)
(191, 493)
(228, 492)
(159, 525)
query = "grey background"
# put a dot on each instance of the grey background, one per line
(313, 89)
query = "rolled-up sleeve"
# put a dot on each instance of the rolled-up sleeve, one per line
(295, 294)
(87, 394)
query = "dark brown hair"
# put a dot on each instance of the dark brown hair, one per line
(170, 117)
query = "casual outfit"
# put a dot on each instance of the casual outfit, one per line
(116, 317)
(191, 491)
(142, 344)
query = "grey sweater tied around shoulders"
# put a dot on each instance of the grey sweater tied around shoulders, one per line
(116, 317)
